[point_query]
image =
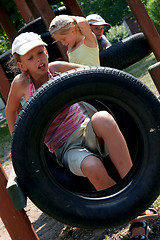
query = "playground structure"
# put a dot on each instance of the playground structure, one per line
(15, 221)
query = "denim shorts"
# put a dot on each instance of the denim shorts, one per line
(82, 143)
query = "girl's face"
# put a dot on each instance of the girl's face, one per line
(68, 38)
(98, 30)
(34, 61)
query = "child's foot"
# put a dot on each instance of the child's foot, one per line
(139, 231)
(150, 213)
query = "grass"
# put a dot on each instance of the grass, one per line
(139, 70)
(5, 142)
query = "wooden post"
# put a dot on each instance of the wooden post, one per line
(24, 10)
(154, 71)
(16, 222)
(41, 8)
(73, 7)
(7, 24)
(146, 25)
(151, 34)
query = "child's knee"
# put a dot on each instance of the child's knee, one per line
(90, 164)
(103, 120)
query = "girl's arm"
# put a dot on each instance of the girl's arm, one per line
(13, 105)
(62, 66)
(90, 38)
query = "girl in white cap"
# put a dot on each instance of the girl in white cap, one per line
(31, 58)
(75, 33)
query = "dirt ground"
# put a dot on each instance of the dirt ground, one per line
(49, 229)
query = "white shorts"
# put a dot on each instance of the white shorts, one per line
(82, 143)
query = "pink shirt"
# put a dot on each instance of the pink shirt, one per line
(63, 125)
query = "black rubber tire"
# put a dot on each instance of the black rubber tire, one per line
(4, 60)
(38, 26)
(136, 110)
(52, 48)
(126, 52)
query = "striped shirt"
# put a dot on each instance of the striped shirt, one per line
(63, 125)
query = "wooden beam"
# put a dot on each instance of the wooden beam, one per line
(41, 8)
(146, 25)
(154, 71)
(16, 222)
(7, 25)
(73, 8)
(24, 10)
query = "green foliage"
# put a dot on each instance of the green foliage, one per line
(111, 11)
(153, 8)
(5, 144)
(116, 34)
(106, 237)
(13, 13)
(156, 205)
(17, 20)
(4, 44)
(56, 5)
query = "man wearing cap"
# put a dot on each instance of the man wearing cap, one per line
(97, 24)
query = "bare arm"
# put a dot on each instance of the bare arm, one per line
(13, 105)
(90, 38)
(62, 66)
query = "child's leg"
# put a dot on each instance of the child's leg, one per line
(93, 168)
(108, 132)
(81, 162)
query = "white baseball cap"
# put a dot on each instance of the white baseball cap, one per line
(25, 42)
(59, 22)
(95, 19)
